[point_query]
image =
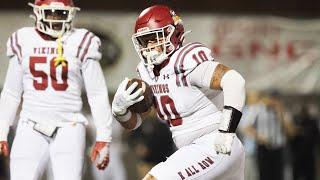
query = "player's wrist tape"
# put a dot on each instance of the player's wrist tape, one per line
(230, 119)
(123, 118)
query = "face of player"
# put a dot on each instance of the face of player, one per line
(151, 42)
(56, 16)
(153, 48)
(154, 45)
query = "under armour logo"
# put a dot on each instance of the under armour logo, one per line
(166, 76)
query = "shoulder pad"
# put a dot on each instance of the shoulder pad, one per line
(14, 44)
(89, 46)
(188, 58)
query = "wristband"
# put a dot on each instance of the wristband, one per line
(230, 119)
(123, 118)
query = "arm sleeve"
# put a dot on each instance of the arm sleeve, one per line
(97, 93)
(10, 96)
(234, 93)
(233, 87)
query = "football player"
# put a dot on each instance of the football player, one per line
(200, 99)
(49, 66)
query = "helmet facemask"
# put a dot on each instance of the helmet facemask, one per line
(154, 46)
(54, 19)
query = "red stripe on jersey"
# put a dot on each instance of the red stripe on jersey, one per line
(195, 58)
(18, 45)
(13, 48)
(81, 44)
(184, 55)
(87, 48)
(183, 78)
(176, 69)
(203, 56)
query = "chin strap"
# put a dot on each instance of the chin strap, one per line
(60, 59)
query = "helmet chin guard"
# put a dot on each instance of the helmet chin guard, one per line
(54, 19)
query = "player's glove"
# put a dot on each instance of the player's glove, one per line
(223, 142)
(100, 155)
(4, 148)
(125, 98)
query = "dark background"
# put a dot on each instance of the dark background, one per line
(287, 8)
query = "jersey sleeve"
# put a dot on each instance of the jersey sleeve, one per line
(13, 46)
(98, 99)
(10, 96)
(189, 58)
(92, 48)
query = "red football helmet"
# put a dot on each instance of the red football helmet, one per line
(54, 17)
(158, 24)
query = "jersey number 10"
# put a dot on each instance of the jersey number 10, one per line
(168, 108)
(43, 84)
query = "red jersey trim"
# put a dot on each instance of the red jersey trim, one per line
(176, 69)
(85, 52)
(82, 42)
(183, 78)
(13, 47)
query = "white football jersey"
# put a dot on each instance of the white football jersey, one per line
(186, 108)
(50, 93)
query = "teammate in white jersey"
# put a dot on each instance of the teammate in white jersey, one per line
(50, 65)
(199, 98)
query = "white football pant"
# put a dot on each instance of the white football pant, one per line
(31, 151)
(199, 160)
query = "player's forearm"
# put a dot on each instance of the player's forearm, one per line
(219, 77)
(10, 96)
(102, 118)
(97, 93)
(9, 104)
(233, 86)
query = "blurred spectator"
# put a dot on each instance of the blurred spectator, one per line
(253, 98)
(269, 127)
(303, 145)
(152, 144)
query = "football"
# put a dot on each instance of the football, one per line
(147, 102)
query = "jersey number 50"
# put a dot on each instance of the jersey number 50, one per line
(43, 84)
